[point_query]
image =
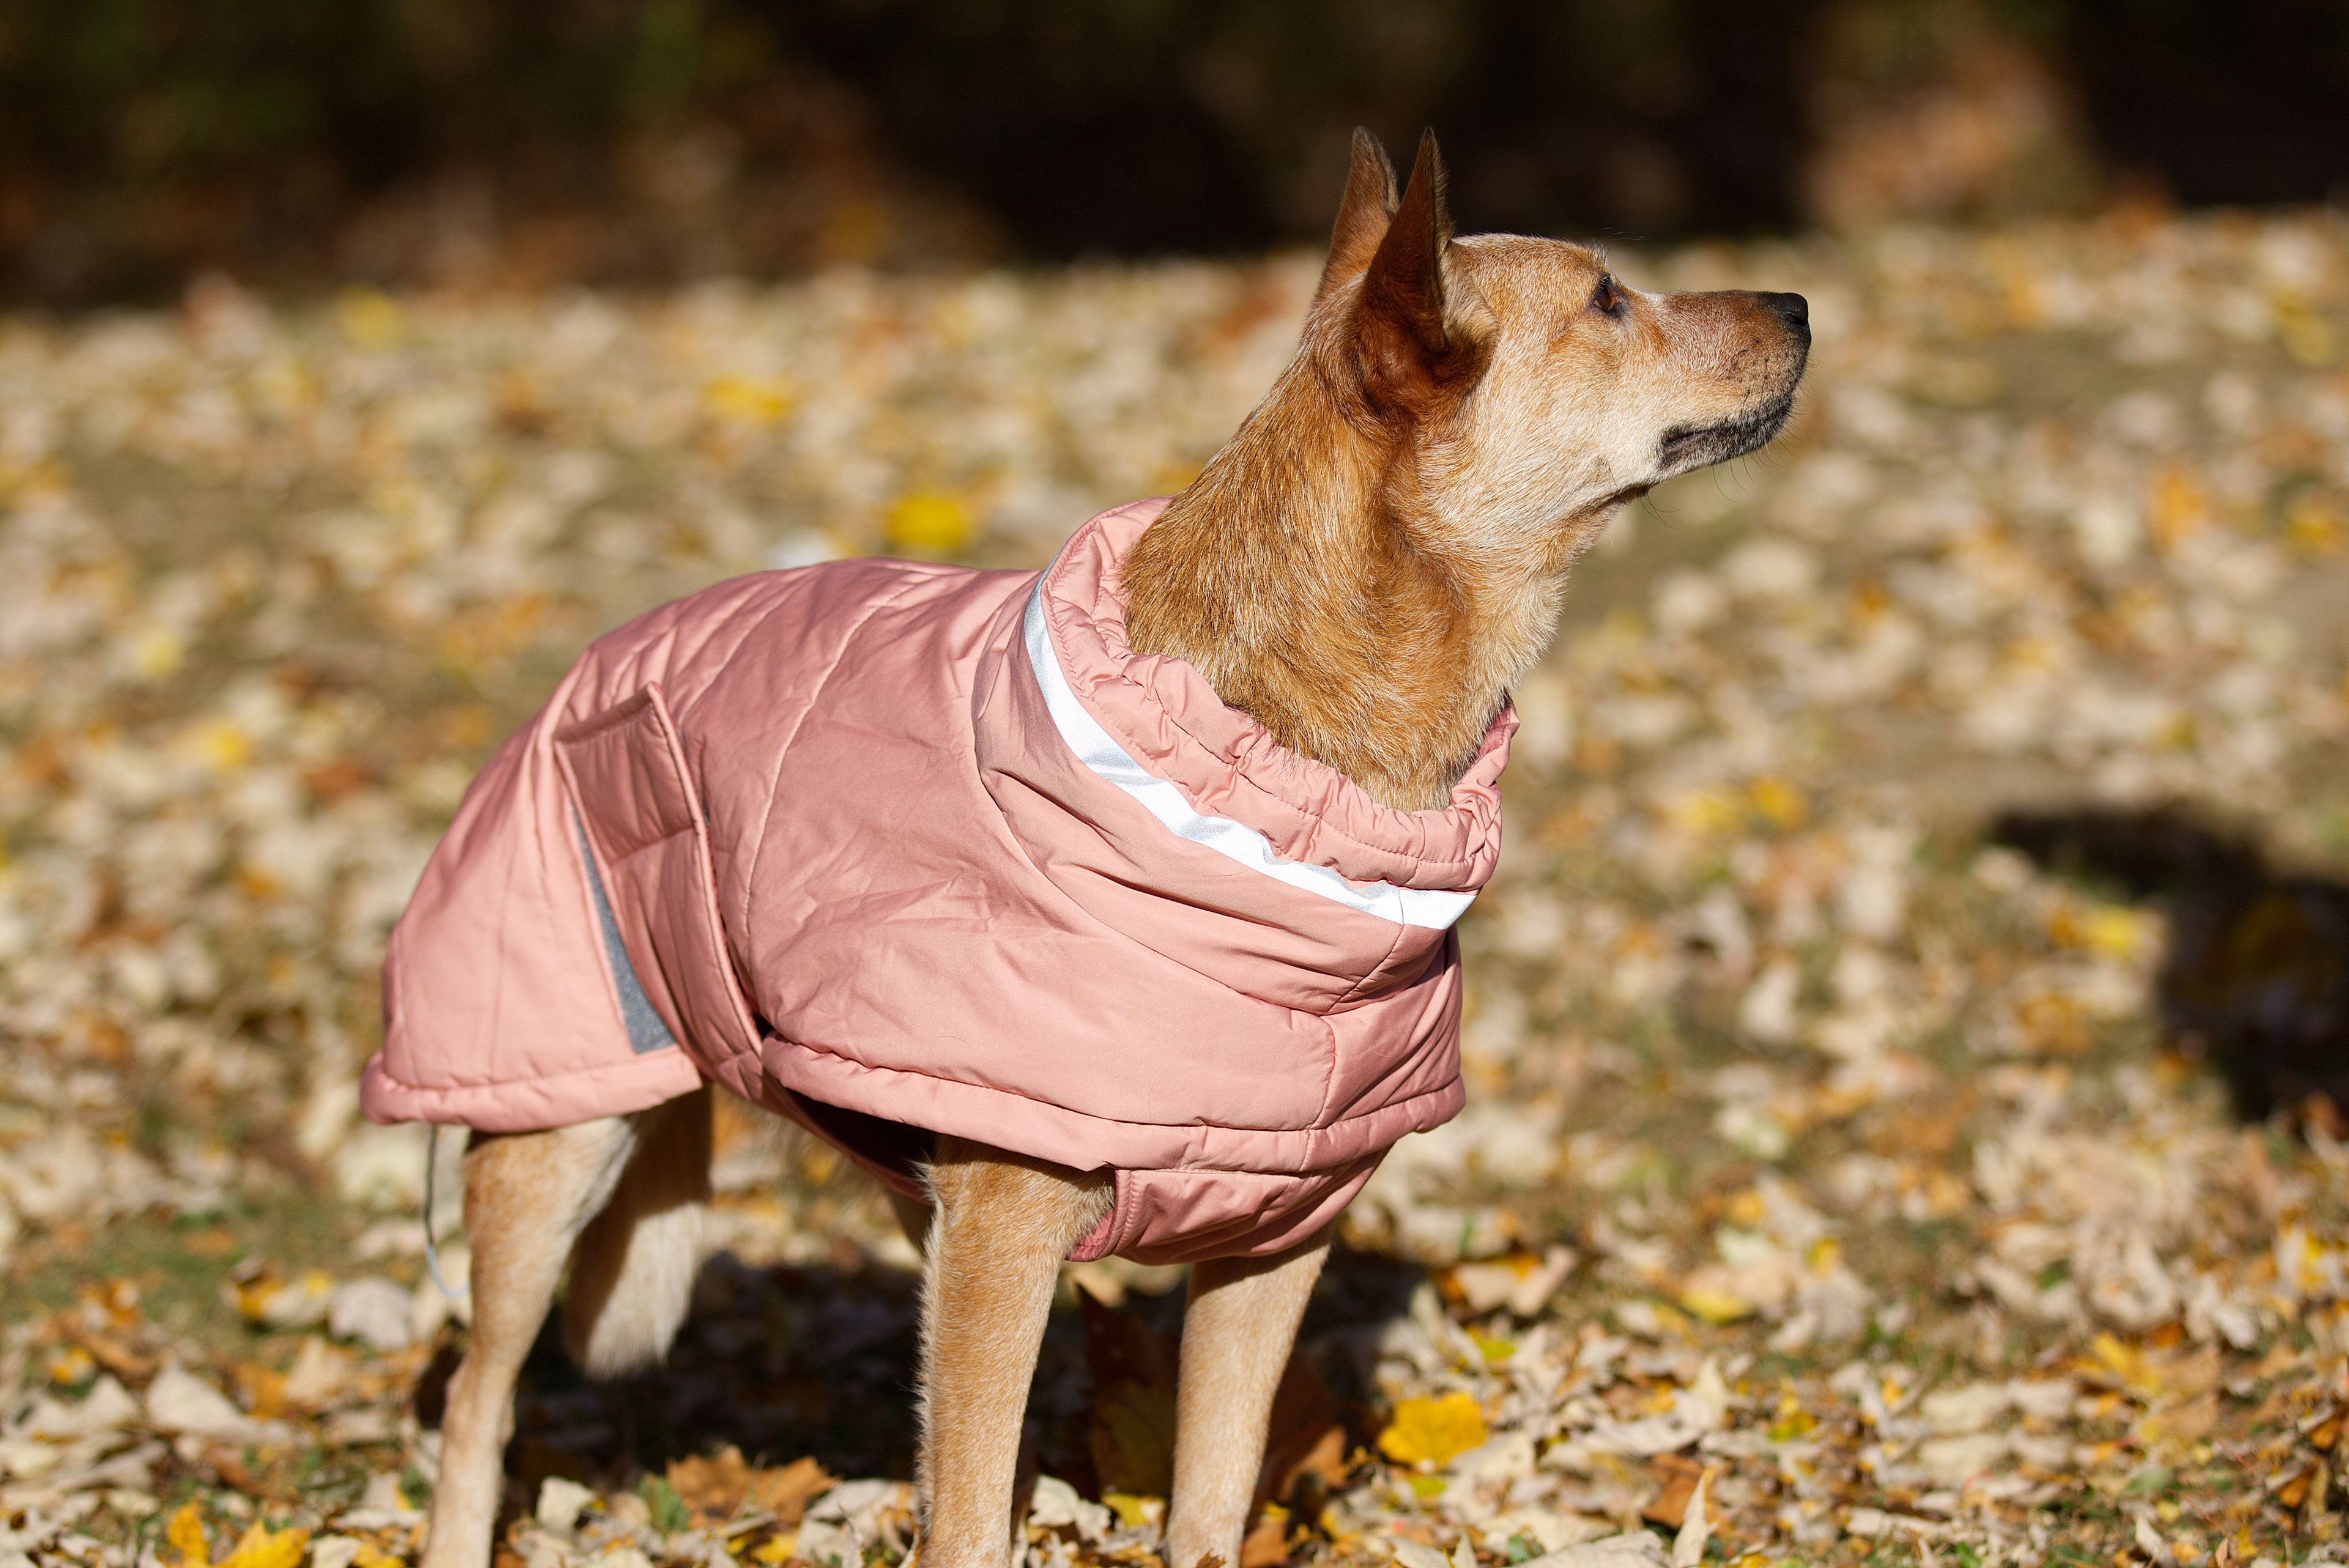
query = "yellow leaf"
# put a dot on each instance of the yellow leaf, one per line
(751, 401)
(1133, 1511)
(1778, 801)
(216, 743)
(186, 1532)
(2307, 337)
(2177, 506)
(1705, 812)
(778, 1550)
(261, 1388)
(1715, 1305)
(158, 652)
(1793, 1420)
(930, 523)
(369, 318)
(2125, 1362)
(2115, 930)
(1433, 1432)
(265, 1548)
(2315, 526)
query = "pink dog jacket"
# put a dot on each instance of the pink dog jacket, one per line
(887, 846)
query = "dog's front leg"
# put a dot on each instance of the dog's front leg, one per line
(1237, 1336)
(1001, 1225)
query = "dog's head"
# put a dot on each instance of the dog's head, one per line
(1523, 391)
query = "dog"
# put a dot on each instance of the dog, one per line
(1175, 832)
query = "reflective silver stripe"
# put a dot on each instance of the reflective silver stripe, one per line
(1432, 909)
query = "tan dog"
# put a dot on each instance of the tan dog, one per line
(1364, 568)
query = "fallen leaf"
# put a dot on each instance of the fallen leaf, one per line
(561, 1500)
(1681, 1476)
(1136, 1512)
(1715, 1305)
(1696, 1528)
(1132, 1406)
(1267, 1542)
(1306, 1437)
(785, 1490)
(712, 1487)
(1432, 1432)
(265, 1548)
(186, 1532)
(261, 1388)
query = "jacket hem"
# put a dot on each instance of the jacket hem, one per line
(534, 1104)
(1088, 1140)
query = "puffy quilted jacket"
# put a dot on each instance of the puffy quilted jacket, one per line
(889, 846)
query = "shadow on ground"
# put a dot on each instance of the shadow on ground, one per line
(2256, 976)
(789, 1361)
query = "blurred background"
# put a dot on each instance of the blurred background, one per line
(1907, 1037)
(612, 142)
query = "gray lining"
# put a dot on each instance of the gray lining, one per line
(645, 1030)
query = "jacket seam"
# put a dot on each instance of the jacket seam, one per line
(775, 780)
(1329, 1085)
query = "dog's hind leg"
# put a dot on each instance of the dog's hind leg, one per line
(1001, 1225)
(632, 1269)
(528, 1195)
(1237, 1332)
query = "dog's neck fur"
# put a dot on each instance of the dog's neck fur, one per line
(1311, 582)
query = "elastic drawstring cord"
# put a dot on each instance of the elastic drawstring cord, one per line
(432, 1253)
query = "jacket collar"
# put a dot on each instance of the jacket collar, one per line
(1152, 728)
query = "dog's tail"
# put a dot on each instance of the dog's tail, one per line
(632, 1269)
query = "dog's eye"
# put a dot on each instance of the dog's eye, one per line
(1608, 298)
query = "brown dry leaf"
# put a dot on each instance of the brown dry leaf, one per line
(2189, 1374)
(2186, 1421)
(1679, 1475)
(112, 1354)
(712, 1487)
(228, 1464)
(1133, 1427)
(785, 1490)
(260, 1388)
(1267, 1542)
(2323, 1429)
(1307, 1437)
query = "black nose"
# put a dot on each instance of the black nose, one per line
(1790, 308)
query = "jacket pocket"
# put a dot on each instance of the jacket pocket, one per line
(649, 841)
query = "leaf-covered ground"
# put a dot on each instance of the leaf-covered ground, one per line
(1820, 1156)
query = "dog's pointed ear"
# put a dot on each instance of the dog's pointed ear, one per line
(1363, 213)
(1400, 319)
